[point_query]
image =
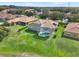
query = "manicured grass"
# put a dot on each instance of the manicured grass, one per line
(26, 41)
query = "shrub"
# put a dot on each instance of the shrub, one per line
(43, 16)
(56, 29)
(3, 32)
(54, 36)
(29, 14)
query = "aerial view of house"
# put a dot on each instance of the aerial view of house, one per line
(43, 27)
(39, 29)
(6, 16)
(23, 20)
(72, 30)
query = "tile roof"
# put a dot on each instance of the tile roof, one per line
(46, 23)
(23, 19)
(72, 27)
(6, 16)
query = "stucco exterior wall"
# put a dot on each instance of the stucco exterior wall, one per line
(73, 35)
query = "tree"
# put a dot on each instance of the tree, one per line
(3, 32)
(16, 11)
(73, 18)
(12, 6)
(29, 13)
(56, 15)
(43, 16)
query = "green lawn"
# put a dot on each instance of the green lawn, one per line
(25, 41)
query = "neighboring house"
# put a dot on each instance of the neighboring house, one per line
(38, 13)
(7, 10)
(22, 20)
(43, 27)
(65, 21)
(30, 10)
(6, 16)
(72, 30)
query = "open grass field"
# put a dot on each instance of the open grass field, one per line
(22, 42)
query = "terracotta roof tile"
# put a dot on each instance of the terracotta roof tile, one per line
(46, 23)
(6, 16)
(22, 19)
(72, 27)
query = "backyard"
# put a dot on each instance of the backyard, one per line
(23, 41)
